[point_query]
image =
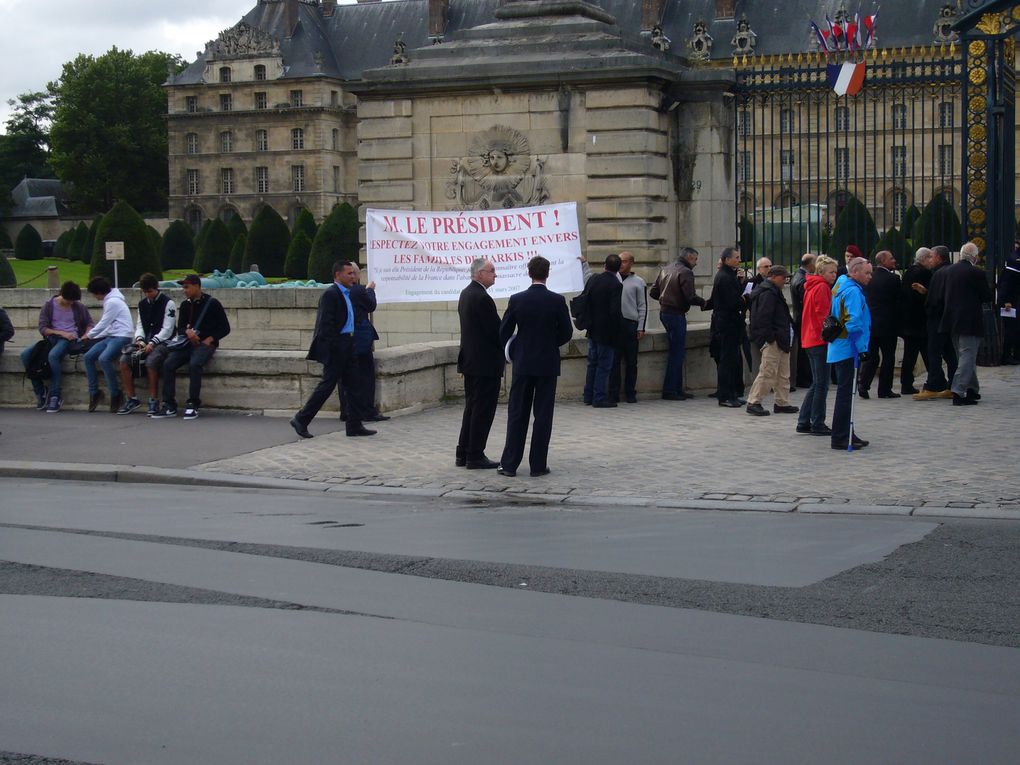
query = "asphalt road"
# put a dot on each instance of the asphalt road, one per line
(170, 625)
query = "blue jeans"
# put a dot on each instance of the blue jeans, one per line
(675, 325)
(812, 410)
(107, 353)
(58, 349)
(600, 363)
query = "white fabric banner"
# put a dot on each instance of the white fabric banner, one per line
(416, 257)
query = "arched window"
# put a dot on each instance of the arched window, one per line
(224, 74)
(195, 218)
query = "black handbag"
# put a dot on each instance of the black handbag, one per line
(832, 328)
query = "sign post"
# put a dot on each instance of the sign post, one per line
(115, 252)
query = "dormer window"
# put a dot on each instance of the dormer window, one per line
(260, 72)
(224, 74)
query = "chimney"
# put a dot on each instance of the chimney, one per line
(651, 14)
(328, 6)
(439, 14)
(292, 8)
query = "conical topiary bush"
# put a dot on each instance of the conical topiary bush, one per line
(268, 240)
(28, 245)
(215, 251)
(854, 226)
(178, 247)
(336, 239)
(123, 224)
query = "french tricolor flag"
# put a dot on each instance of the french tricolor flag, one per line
(845, 79)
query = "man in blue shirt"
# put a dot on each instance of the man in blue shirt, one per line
(333, 347)
(851, 308)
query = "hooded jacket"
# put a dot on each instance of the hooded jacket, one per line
(851, 308)
(116, 318)
(770, 316)
(817, 303)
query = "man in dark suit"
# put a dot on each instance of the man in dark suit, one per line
(605, 317)
(800, 368)
(542, 321)
(883, 296)
(962, 319)
(940, 344)
(481, 362)
(364, 302)
(333, 347)
(913, 324)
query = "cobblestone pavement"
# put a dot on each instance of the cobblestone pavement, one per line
(922, 453)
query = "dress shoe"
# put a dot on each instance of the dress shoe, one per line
(115, 401)
(605, 405)
(483, 464)
(714, 394)
(360, 432)
(733, 403)
(863, 393)
(460, 461)
(889, 394)
(94, 399)
(377, 418)
(300, 429)
(793, 389)
(803, 428)
(947, 393)
(672, 397)
(858, 444)
(926, 395)
(785, 409)
(963, 401)
(973, 394)
(631, 400)
(1011, 362)
(587, 403)
(757, 410)
(506, 471)
(821, 430)
(539, 473)
(909, 391)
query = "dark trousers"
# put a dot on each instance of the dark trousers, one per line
(529, 393)
(196, 357)
(600, 365)
(341, 368)
(625, 360)
(800, 366)
(366, 387)
(730, 370)
(940, 347)
(912, 346)
(884, 346)
(675, 325)
(844, 397)
(480, 397)
(812, 410)
(1011, 339)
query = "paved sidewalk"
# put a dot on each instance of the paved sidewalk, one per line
(925, 457)
(923, 454)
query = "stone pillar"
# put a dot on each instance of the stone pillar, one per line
(386, 153)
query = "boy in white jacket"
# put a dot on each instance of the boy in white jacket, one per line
(106, 341)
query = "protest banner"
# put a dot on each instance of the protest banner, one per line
(417, 256)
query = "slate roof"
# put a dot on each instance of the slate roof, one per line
(38, 198)
(360, 37)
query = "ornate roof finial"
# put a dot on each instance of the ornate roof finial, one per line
(943, 31)
(659, 40)
(745, 39)
(399, 51)
(701, 43)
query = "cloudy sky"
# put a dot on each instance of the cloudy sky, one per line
(41, 35)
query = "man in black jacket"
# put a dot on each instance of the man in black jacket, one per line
(727, 304)
(883, 295)
(542, 323)
(966, 290)
(940, 345)
(364, 302)
(481, 362)
(604, 293)
(1008, 297)
(913, 325)
(333, 347)
(203, 322)
(772, 332)
(800, 369)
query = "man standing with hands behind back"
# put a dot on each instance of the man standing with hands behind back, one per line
(333, 347)
(481, 362)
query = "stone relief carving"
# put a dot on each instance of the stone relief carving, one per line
(943, 31)
(659, 40)
(499, 172)
(745, 39)
(399, 51)
(701, 43)
(242, 40)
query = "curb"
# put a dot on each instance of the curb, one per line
(135, 474)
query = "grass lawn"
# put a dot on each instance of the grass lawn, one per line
(32, 273)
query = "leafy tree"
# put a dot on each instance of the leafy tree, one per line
(746, 243)
(7, 277)
(108, 136)
(237, 254)
(267, 243)
(215, 250)
(28, 245)
(87, 247)
(909, 219)
(938, 224)
(236, 227)
(178, 248)
(854, 226)
(894, 241)
(336, 239)
(305, 222)
(5, 240)
(24, 147)
(63, 242)
(123, 224)
(296, 266)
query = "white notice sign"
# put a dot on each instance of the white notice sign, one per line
(115, 251)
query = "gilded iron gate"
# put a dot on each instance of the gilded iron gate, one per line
(804, 153)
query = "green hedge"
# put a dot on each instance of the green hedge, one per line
(268, 240)
(214, 253)
(7, 277)
(123, 224)
(296, 266)
(336, 239)
(854, 226)
(178, 247)
(938, 224)
(237, 254)
(28, 245)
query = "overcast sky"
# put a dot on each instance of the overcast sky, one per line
(40, 36)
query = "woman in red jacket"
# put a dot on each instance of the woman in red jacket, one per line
(817, 300)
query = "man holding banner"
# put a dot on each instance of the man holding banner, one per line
(542, 324)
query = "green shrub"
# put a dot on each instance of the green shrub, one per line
(746, 243)
(894, 241)
(237, 254)
(909, 219)
(74, 247)
(156, 238)
(336, 239)
(236, 227)
(60, 249)
(178, 248)
(5, 240)
(296, 266)
(268, 239)
(938, 224)
(28, 245)
(7, 277)
(854, 226)
(88, 246)
(201, 235)
(305, 222)
(123, 224)
(215, 251)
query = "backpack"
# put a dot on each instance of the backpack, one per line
(38, 365)
(579, 310)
